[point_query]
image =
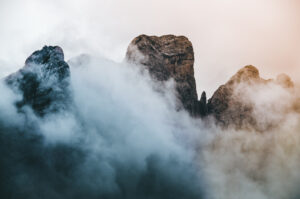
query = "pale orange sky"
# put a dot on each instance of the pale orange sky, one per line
(226, 35)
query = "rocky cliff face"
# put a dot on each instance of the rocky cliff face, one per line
(172, 56)
(168, 57)
(43, 82)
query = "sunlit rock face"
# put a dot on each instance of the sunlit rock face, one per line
(168, 57)
(284, 80)
(228, 109)
(238, 102)
(43, 82)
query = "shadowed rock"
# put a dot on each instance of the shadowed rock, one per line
(202, 110)
(43, 82)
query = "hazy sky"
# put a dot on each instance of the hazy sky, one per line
(226, 34)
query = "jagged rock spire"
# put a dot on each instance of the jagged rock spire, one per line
(168, 57)
(43, 82)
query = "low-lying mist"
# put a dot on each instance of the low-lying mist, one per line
(123, 137)
(260, 162)
(119, 139)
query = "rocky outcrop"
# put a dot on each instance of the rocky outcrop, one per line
(226, 108)
(284, 80)
(202, 105)
(43, 82)
(230, 104)
(168, 57)
(172, 56)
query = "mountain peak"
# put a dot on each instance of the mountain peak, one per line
(43, 82)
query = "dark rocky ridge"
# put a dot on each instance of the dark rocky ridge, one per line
(43, 82)
(168, 57)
